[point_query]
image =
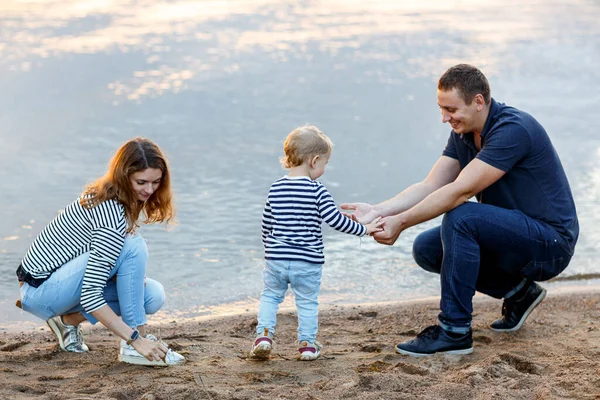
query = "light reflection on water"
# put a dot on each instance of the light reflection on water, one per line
(218, 84)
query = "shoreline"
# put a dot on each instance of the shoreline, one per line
(556, 354)
(245, 309)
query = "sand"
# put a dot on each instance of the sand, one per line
(556, 355)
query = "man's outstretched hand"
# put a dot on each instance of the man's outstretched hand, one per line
(363, 213)
(392, 227)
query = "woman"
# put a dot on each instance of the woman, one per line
(89, 263)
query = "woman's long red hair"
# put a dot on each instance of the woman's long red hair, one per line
(134, 156)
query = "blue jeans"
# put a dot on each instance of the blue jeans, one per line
(127, 295)
(305, 280)
(492, 250)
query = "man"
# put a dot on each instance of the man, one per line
(522, 229)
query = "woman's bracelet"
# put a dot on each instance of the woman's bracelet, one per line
(134, 336)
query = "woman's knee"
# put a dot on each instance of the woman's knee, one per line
(154, 296)
(135, 246)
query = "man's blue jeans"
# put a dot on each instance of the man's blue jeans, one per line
(492, 250)
(305, 280)
(129, 295)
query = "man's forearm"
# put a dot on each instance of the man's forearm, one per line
(434, 205)
(405, 199)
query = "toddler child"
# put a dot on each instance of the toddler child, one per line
(291, 232)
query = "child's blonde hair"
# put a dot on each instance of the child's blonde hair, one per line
(303, 143)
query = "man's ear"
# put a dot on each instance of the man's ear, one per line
(479, 101)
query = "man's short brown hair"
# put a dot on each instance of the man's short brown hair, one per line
(468, 80)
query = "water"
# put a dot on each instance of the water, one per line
(219, 84)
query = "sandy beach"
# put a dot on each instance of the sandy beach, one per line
(556, 355)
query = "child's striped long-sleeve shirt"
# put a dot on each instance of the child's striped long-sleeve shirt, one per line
(291, 221)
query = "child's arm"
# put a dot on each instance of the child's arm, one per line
(267, 222)
(334, 218)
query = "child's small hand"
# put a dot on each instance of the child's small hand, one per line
(375, 226)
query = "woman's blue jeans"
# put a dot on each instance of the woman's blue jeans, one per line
(127, 292)
(305, 280)
(492, 250)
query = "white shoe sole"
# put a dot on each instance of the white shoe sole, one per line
(309, 356)
(143, 361)
(457, 352)
(262, 351)
(533, 305)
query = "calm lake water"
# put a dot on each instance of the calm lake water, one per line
(219, 84)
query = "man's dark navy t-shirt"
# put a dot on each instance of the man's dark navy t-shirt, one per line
(535, 182)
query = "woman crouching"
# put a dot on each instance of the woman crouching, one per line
(88, 263)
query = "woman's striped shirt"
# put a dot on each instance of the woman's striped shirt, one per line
(291, 221)
(77, 230)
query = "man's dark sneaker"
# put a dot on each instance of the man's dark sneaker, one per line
(434, 339)
(517, 308)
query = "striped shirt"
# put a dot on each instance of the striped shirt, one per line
(291, 221)
(77, 230)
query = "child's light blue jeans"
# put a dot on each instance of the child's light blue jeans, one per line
(128, 296)
(305, 280)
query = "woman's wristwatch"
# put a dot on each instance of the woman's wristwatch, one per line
(135, 335)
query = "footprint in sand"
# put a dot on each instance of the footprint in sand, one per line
(13, 346)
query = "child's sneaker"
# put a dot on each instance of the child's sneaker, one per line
(310, 351)
(263, 344)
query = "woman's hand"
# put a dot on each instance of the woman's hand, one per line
(363, 213)
(152, 350)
